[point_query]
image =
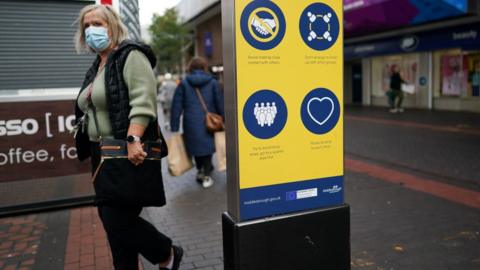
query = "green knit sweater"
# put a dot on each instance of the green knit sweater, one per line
(142, 92)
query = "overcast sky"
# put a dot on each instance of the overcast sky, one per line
(149, 7)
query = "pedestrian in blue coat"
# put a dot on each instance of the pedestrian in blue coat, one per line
(198, 141)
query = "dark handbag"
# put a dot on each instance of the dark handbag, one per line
(118, 182)
(213, 121)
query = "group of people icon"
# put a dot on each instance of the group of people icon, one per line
(265, 115)
(326, 18)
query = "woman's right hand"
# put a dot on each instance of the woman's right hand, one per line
(136, 155)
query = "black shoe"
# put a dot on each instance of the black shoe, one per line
(200, 176)
(177, 257)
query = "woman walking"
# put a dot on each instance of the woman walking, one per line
(118, 100)
(199, 142)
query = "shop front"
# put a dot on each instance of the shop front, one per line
(204, 18)
(40, 76)
(442, 65)
(457, 74)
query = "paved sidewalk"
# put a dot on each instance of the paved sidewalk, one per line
(70, 239)
(19, 240)
(192, 218)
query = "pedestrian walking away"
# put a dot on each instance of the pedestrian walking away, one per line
(118, 101)
(165, 97)
(199, 141)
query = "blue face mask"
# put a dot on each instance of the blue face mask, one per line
(97, 38)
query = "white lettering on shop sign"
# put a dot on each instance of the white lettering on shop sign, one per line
(472, 34)
(18, 155)
(30, 126)
(16, 127)
(364, 49)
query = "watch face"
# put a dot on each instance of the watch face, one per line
(132, 138)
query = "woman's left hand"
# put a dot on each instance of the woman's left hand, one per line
(136, 155)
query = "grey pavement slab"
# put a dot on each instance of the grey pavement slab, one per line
(192, 218)
(397, 228)
(391, 227)
(451, 156)
(53, 241)
(466, 120)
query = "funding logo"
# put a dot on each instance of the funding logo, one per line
(332, 190)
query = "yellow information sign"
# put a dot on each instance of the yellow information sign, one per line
(289, 63)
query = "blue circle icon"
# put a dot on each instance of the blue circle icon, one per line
(265, 114)
(320, 111)
(319, 26)
(423, 81)
(263, 24)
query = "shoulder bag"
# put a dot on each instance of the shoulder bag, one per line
(213, 121)
(215, 125)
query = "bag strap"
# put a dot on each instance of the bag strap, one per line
(202, 101)
(95, 119)
(91, 106)
(94, 111)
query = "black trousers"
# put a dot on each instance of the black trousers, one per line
(128, 234)
(204, 164)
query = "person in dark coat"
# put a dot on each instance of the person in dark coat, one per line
(198, 141)
(396, 95)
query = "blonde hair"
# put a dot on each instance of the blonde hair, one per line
(115, 26)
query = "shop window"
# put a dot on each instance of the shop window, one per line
(473, 63)
(382, 70)
(454, 75)
(458, 74)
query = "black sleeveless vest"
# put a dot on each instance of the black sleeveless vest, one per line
(118, 102)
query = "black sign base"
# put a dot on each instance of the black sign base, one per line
(318, 239)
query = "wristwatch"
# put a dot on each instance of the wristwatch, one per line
(133, 138)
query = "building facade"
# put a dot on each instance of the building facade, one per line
(204, 17)
(36, 48)
(436, 45)
(40, 77)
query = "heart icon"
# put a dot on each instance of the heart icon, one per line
(321, 123)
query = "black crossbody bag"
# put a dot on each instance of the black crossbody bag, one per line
(118, 182)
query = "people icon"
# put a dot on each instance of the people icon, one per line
(311, 17)
(327, 17)
(327, 36)
(265, 113)
(313, 35)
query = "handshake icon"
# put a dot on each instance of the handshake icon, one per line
(264, 26)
